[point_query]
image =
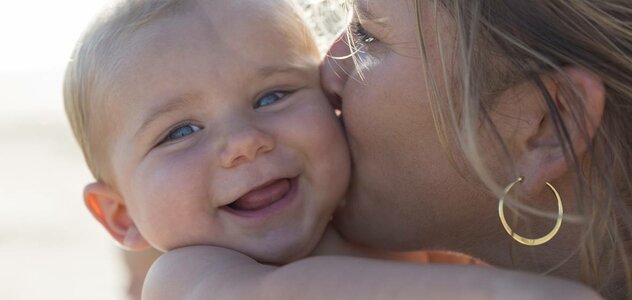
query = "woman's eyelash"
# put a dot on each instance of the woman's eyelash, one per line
(360, 35)
(359, 42)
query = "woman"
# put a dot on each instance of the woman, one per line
(452, 105)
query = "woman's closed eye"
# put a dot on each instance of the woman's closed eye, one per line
(269, 99)
(361, 37)
(179, 132)
(362, 44)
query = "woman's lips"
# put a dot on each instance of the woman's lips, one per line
(262, 197)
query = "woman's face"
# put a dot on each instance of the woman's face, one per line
(404, 193)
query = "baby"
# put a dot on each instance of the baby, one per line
(209, 137)
(205, 124)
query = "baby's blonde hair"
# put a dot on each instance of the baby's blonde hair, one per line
(98, 55)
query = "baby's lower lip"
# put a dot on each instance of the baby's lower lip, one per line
(263, 196)
(266, 200)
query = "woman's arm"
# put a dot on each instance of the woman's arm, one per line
(205, 272)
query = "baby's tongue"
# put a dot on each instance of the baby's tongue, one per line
(263, 196)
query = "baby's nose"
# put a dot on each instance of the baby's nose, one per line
(244, 145)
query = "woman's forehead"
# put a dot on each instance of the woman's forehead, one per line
(385, 11)
(371, 9)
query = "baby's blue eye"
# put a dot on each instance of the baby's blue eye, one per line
(269, 98)
(180, 132)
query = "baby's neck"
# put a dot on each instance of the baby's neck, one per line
(332, 243)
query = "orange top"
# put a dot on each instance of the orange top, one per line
(449, 257)
(434, 257)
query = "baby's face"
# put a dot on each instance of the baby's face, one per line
(221, 135)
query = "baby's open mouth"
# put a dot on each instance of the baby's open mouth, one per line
(263, 196)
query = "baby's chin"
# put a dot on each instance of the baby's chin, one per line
(284, 251)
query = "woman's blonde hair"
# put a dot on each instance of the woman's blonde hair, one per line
(502, 42)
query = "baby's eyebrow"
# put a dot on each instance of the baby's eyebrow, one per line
(169, 106)
(269, 70)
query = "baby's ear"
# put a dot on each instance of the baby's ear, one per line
(108, 207)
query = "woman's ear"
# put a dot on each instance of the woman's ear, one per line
(542, 158)
(109, 208)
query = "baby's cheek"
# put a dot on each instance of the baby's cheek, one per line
(165, 192)
(327, 147)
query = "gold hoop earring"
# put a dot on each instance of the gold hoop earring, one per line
(527, 241)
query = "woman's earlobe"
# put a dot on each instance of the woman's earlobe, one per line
(109, 208)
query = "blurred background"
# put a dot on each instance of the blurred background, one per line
(50, 246)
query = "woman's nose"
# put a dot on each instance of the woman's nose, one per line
(335, 69)
(243, 145)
